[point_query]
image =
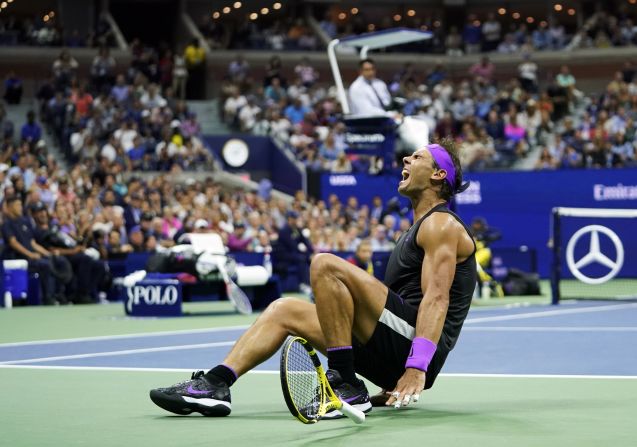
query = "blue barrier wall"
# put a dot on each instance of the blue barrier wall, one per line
(265, 160)
(519, 202)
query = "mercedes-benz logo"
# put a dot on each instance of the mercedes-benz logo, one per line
(594, 254)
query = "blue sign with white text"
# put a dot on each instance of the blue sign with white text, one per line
(154, 298)
(519, 203)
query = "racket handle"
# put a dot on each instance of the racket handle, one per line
(355, 415)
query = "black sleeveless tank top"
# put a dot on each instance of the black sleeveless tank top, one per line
(404, 270)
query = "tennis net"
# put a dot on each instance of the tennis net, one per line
(594, 254)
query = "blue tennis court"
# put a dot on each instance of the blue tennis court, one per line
(520, 375)
(522, 340)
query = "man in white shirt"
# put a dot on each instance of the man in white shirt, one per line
(368, 96)
(528, 74)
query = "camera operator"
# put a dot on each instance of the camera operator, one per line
(484, 235)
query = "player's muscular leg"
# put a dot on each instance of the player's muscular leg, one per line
(348, 299)
(285, 316)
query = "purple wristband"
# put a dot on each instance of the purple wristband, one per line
(338, 348)
(422, 351)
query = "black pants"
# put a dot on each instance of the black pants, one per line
(382, 359)
(88, 273)
(47, 281)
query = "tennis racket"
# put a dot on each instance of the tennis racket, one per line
(235, 294)
(306, 390)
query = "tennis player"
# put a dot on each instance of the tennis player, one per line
(397, 334)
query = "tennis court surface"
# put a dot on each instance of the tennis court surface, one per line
(519, 376)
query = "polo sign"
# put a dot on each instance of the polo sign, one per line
(154, 297)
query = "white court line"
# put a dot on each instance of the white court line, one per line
(551, 313)
(123, 352)
(550, 328)
(240, 327)
(133, 335)
(273, 372)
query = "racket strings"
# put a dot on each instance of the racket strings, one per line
(239, 299)
(303, 382)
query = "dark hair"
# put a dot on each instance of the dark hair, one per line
(366, 61)
(447, 143)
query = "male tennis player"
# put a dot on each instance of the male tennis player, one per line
(397, 334)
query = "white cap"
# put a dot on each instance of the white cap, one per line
(4, 167)
(201, 223)
(175, 123)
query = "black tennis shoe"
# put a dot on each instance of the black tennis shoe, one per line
(197, 394)
(355, 394)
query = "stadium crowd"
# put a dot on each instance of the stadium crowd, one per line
(48, 31)
(497, 124)
(489, 32)
(116, 124)
(130, 121)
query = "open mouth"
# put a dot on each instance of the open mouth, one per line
(405, 174)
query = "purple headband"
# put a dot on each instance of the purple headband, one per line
(443, 160)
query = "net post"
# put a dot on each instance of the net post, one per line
(556, 265)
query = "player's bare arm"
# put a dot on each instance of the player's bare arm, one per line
(445, 243)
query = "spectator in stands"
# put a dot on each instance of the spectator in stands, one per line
(564, 78)
(328, 26)
(116, 249)
(557, 37)
(363, 256)
(294, 249)
(238, 70)
(179, 76)
(82, 100)
(23, 170)
(12, 88)
(296, 111)
(491, 32)
(152, 98)
(541, 37)
(453, 42)
(274, 93)
(508, 45)
(120, 91)
(87, 272)
(238, 240)
(64, 70)
(7, 127)
(248, 114)
(368, 95)
(528, 74)
(103, 69)
(308, 74)
(622, 151)
(474, 154)
(195, 57)
(483, 71)
(380, 240)
(342, 164)
(20, 243)
(136, 239)
(232, 106)
(546, 161)
(472, 35)
(274, 69)
(31, 131)
(133, 211)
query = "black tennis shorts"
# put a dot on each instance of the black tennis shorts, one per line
(382, 359)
